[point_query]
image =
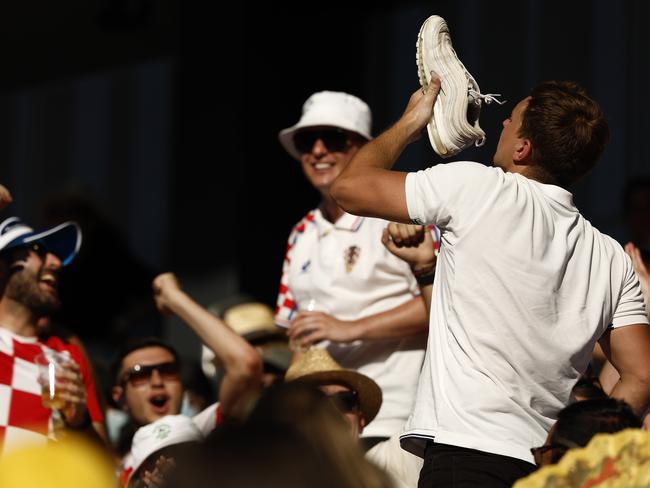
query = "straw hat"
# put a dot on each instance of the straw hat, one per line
(255, 322)
(252, 320)
(620, 460)
(317, 367)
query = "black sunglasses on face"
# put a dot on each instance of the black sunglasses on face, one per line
(140, 375)
(37, 247)
(538, 452)
(345, 401)
(15, 255)
(335, 140)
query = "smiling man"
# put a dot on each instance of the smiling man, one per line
(30, 263)
(340, 288)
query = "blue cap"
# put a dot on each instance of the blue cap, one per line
(63, 241)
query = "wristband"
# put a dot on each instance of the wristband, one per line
(426, 278)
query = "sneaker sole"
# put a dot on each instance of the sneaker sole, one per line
(434, 51)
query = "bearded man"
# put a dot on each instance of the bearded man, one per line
(29, 267)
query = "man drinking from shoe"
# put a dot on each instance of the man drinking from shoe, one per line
(524, 284)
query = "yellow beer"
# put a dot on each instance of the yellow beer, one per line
(51, 401)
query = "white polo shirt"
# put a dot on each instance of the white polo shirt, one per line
(524, 287)
(347, 272)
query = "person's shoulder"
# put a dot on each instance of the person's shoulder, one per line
(470, 174)
(209, 418)
(465, 169)
(303, 224)
(59, 344)
(469, 166)
(613, 245)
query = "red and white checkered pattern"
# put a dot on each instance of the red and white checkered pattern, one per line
(22, 415)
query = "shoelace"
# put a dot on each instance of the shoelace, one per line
(488, 98)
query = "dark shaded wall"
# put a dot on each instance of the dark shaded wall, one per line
(165, 115)
(508, 46)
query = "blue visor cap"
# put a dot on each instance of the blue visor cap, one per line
(63, 241)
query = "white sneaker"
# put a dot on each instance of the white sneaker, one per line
(454, 125)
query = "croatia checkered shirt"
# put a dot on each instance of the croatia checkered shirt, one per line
(23, 419)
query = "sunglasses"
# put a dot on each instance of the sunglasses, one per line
(345, 401)
(36, 247)
(538, 452)
(335, 140)
(140, 375)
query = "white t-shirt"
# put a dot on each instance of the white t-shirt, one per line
(402, 467)
(524, 288)
(206, 420)
(345, 271)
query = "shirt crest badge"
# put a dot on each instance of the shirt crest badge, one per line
(350, 257)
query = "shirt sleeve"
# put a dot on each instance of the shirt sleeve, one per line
(209, 418)
(631, 309)
(286, 306)
(447, 195)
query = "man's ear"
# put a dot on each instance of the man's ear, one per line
(117, 394)
(523, 152)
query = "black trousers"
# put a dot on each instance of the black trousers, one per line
(458, 467)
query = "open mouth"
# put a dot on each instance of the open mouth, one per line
(49, 280)
(159, 402)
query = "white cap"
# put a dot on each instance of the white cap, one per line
(166, 431)
(330, 109)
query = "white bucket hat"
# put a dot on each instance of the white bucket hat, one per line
(166, 431)
(333, 109)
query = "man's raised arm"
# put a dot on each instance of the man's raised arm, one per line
(367, 186)
(241, 362)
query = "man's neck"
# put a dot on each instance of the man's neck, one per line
(17, 318)
(330, 210)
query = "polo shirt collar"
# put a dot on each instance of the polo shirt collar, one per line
(347, 222)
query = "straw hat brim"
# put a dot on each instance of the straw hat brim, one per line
(370, 396)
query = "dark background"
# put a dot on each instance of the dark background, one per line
(154, 123)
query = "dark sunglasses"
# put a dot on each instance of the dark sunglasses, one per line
(14, 256)
(36, 247)
(140, 375)
(335, 140)
(345, 401)
(538, 452)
